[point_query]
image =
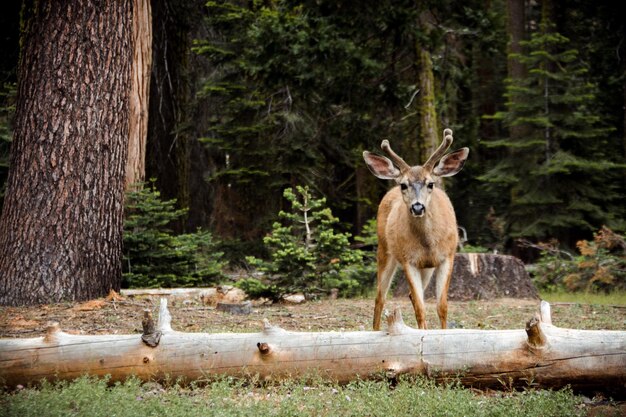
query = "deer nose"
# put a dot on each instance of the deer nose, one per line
(418, 209)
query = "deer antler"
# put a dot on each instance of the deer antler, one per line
(394, 157)
(441, 150)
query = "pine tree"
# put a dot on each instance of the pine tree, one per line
(558, 173)
(156, 257)
(298, 91)
(61, 222)
(307, 254)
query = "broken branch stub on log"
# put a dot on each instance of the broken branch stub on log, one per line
(150, 335)
(541, 355)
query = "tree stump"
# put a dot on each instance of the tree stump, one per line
(482, 276)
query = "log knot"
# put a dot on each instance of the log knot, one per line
(264, 348)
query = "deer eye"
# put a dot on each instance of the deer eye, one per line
(430, 185)
(403, 186)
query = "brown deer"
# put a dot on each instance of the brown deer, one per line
(416, 226)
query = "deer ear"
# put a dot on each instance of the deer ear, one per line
(451, 163)
(380, 166)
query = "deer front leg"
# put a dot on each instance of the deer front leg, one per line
(426, 274)
(443, 274)
(386, 268)
(414, 279)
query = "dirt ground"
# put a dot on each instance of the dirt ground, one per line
(123, 315)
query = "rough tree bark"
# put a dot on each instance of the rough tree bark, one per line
(541, 355)
(61, 225)
(139, 93)
(516, 28)
(168, 158)
(174, 156)
(429, 134)
(429, 130)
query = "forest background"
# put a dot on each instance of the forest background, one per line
(248, 99)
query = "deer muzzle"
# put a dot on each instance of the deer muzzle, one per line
(418, 209)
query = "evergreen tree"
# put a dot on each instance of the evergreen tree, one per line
(156, 257)
(307, 254)
(298, 89)
(61, 222)
(558, 173)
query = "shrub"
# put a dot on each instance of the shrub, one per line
(369, 236)
(601, 265)
(154, 256)
(306, 253)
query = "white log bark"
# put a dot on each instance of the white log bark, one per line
(542, 355)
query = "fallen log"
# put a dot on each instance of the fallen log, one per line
(209, 296)
(541, 355)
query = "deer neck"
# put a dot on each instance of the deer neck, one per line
(419, 224)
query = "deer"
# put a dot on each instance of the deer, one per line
(416, 226)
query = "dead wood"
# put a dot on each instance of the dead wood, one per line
(541, 355)
(483, 276)
(235, 308)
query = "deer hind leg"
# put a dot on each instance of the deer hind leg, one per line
(415, 280)
(443, 274)
(386, 268)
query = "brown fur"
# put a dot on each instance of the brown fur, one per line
(425, 245)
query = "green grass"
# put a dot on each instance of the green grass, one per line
(229, 397)
(617, 298)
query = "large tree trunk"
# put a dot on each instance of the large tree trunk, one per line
(139, 93)
(623, 71)
(516, 28)
(541, 356)
(174, 155)
(364, 190)
(429, 130)
(168, 158)
(61, 225)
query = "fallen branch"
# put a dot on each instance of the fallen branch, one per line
(183, 292)
(541, 355)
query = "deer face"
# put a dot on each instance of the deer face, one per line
(418, 182)
(416, 187)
